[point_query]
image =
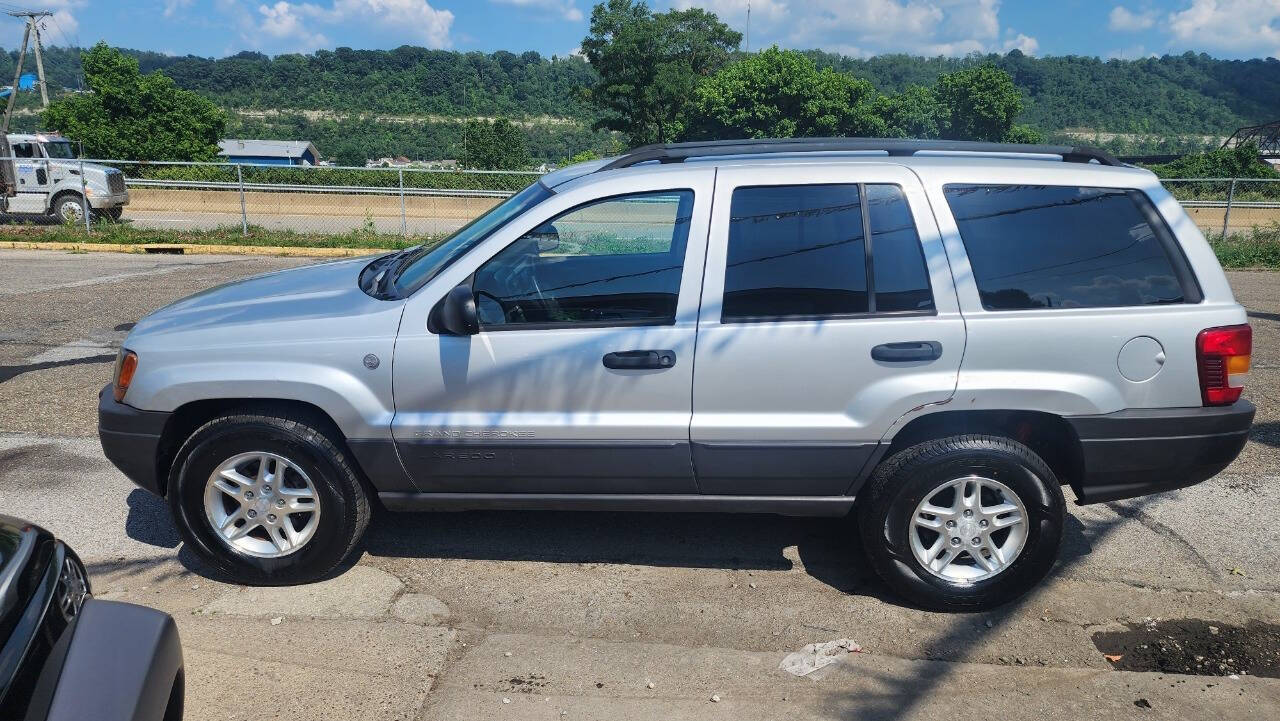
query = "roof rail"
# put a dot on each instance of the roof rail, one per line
(679, 152)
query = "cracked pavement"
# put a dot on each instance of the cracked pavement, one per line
(562, 615)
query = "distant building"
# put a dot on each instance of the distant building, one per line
(269, 152)
(397, 162)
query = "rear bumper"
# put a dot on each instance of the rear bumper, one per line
(131, 440)
(1137, 452)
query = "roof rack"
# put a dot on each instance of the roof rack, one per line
(679, 152)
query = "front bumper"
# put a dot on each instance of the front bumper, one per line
(108, 200)
(131, 440)
(1136, 452)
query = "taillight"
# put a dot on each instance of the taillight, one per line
(124, 374)
(1222, 355)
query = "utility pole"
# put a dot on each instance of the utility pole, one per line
(32, 21)
(32, 27)
(748, 26)
(17, 75)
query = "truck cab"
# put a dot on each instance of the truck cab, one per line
(46, 181)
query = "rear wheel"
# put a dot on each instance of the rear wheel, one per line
(963, 523)
(267, 499)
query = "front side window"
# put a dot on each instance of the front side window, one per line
(1045, 246)
(801, 252)
(610, 262)
(24, 150)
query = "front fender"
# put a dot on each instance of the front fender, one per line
(360, 405)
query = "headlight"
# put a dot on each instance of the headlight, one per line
(126, 365)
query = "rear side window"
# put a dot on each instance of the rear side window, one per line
(1039, 246)
(801, 252)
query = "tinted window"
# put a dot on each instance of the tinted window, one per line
(795, 251)
(1035, 246)
(24, 150)
(612, 261)
(901, 279)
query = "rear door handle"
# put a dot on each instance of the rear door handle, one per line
(640, 359)
(918, 350)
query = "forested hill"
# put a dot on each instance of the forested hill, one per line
(1173, 94)
(1186, 93)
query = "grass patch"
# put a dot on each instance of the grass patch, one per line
(126, 234)
(1258, 247)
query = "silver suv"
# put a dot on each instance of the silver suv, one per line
(932, 338)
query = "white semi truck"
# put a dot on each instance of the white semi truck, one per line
(41, 178)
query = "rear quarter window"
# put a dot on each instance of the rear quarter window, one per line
(1048, 246)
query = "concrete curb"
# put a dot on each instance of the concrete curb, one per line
(194, 249)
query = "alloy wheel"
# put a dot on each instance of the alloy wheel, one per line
(262, 504)
(968, 529)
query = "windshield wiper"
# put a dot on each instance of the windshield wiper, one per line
(391, 270)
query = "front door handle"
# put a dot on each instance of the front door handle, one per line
(640, 359)
(918, 350)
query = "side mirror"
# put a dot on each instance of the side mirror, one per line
(455, 314)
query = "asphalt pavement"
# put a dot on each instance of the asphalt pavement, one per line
(622, 616)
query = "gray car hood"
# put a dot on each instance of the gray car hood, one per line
(326, 291)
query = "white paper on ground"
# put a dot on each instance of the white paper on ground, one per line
(817, 655)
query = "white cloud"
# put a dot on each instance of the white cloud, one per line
(867, 27)
(66, 22)
(63, 19)
(1027, 44)
(172, 7)
(293, 26)
(735, 11)
(1122, 19)
(1232, 25)
(566, 9)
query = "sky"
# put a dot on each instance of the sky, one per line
(1105, 28)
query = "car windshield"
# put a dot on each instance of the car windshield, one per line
(428, 262)
(59, 149)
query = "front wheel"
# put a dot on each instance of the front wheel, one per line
(964, 523)
(69, 209)
(267, 498)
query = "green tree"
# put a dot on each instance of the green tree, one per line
(1023, 134)
(977, 104)
(495, 145)
(781, 94)
(913, 113)
(133, 116)
(650, 65)
(1238, 162)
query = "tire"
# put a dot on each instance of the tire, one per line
(68, 209)
(945, 472)
(113, 214)
(311, 457)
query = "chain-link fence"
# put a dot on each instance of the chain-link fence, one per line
(394, 205)
(387, 207)
(1226, 206)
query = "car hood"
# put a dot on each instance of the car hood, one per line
(311, 292)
